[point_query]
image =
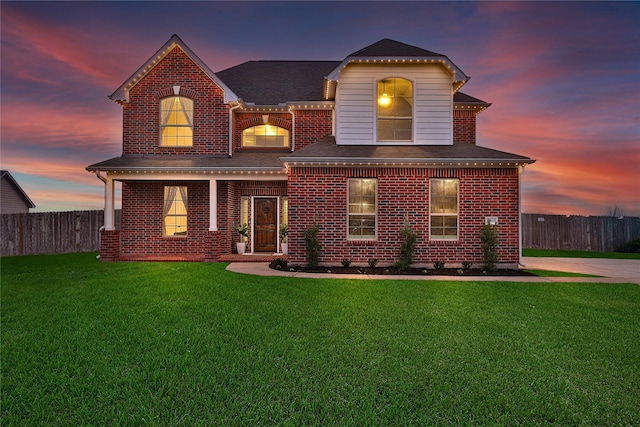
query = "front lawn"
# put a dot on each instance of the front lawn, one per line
(92, 343)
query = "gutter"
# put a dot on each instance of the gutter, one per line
(293, 128)
(520, 171)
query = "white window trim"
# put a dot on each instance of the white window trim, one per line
(457, 215)
(162, 125)
(376, 116)
(375, 215)
(288, 138)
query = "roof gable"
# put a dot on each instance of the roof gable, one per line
(122, 93)
(388, 47)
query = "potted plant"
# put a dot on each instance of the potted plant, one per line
(284, 229)
(243, 229)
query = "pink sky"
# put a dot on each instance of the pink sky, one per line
(563, 78)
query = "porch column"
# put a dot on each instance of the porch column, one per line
(213, 205)
(109, 212)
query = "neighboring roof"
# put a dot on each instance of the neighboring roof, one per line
(278, 82)
(19, 190)
(122, 93)
(327, 151)
(268, 161)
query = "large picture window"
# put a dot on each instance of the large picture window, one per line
(362, 208)
(265, 136)
(443, 209)
(176, 115)
(175, 211)
(395, 109)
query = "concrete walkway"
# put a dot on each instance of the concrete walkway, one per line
(616, 271)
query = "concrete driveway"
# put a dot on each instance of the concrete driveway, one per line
(627, 270)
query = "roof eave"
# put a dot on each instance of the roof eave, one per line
(417, 162)
(459, 75)
(121, 95)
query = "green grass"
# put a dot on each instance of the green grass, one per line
(552, 273)
(577, 254)
(92, 343)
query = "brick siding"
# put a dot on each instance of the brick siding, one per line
(464, 126)
(320, 194)
(141, 116)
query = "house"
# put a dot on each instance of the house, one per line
(13, 199)
(356, 146)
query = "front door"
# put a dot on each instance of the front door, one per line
(265, 214)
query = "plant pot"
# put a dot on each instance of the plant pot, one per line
(285, 248)
(241, 247)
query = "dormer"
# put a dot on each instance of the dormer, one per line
(391, 93)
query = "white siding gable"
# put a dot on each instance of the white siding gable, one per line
(356, 112)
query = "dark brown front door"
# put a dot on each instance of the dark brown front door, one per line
(265, 213)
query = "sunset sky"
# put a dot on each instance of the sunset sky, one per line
(563, 78)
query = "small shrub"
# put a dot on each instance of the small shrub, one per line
(489, 239)
(373, 262)
(438, 265)
(632, 247)
(466, 265)
(408, 246)
(346, 262)
(460, 271)
(312, 245)
(279, 263)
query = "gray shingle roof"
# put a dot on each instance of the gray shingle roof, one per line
(388, 47)
(278, 82)
(328, 151)
(241, 161)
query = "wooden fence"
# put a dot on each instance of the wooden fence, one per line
(51, 232)
(585, 233)
(65, 232)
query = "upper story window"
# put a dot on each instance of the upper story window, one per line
(265, 136)
(176, 122)
(395, 109)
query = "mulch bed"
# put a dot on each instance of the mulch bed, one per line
(394, 271)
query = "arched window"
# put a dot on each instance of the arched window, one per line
(265, 136)
(176, 122)
(395, 109)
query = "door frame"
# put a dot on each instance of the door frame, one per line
(253, 221)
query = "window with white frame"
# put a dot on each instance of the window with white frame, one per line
(265, 136)
(443, 208)
(175, 211)
(176, 122)
(362, 195)
(395, 109)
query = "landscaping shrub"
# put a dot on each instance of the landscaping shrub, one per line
(631, 247)
(438, 265)
(373, 262)
(346, 262)
(489, 239)
(408, 246)
(312, 245)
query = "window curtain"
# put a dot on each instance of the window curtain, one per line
(169, 198)
(167, 109)
(183, 195)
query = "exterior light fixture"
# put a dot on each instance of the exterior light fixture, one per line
(384, 100)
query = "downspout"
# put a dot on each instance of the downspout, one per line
(293, 128)
(520, 170)
(231, 129)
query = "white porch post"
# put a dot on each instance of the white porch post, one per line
(109, 212)
(213, 205)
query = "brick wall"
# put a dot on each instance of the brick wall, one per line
(142, 225)
(464, 126)
(141, 116)
(321, 194)
(311, 126)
